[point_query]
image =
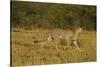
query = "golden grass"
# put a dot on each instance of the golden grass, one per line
(25, 52)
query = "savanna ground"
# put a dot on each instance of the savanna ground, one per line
(25, 52)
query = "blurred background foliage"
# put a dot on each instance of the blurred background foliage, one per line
(29, 15)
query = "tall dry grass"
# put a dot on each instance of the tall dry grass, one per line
(25, 52)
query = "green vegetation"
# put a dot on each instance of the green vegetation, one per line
(29, 15)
